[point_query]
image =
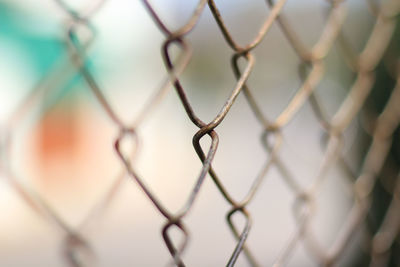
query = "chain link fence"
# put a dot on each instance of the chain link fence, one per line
(372, 185)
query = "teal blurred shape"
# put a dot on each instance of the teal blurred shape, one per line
(42, 51)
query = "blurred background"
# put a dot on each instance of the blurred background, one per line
(61, 150)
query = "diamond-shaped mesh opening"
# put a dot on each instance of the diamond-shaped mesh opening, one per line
(262, 133)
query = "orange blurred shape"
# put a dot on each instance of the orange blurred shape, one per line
(58, 135)
(57, 145)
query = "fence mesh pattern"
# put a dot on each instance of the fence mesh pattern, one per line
(380, 246)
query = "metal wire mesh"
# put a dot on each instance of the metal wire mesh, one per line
(379, 165)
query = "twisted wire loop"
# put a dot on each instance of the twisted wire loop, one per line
(317, 53)
(367, 62)
(173, 37)
(80, 34)
(77, 250)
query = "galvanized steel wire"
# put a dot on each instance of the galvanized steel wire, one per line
(78, 251)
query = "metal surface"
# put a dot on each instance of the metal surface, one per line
(78, 251)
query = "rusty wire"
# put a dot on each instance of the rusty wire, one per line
(362, 64)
